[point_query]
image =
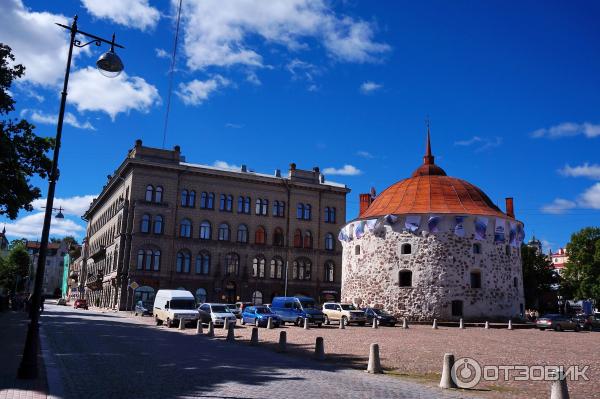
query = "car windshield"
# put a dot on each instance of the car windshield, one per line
(182, 304)
(308, 304)
(348, 307)
(220, 309)
(380, 312)
(263, 310)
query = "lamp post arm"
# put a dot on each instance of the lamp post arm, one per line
(95, 39)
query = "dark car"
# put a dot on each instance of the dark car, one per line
(589, 323)
(383, 317)
(80, 304)
(259, 316)
(557, 322)
(142, 309)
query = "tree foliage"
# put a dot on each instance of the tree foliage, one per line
(14, 268)
(22, 152)
(538, 278)
(582, 271)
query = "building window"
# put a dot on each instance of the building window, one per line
(149, 193)
(201, 296)
(244, 205)
(185, 228)
(183, 262)
(307, 212)
(258, 267)
(207, 200)
(242, 233)
(156, 261)
(145, 224)
(184, 198)
(507, 250)
(457, 308)
(260, 236)
(301, 269)
(223, 232)
(158, 224)
(329, 271)
(476, 279)
(222, 202)
(298, 238)
(278, 238)
(329, 214)
(406, 249)
(329, 242)
(405, 278)
(279, 208)
(148, 260)
(515, 282)
(205, 230)
(308, 242)
(300, 211)
(158, 194)
(203, 263)
(226, 203)
(257, 298)
(140, 259)
(232, 264)
(192, 199)
(476, 248)
(357, 250)
(262, 207)
(276, 268)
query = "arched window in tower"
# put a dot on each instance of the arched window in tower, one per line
(476, 248)
(145, 223)
(515, 282)
(406, 249)
(475, 279)
(405, 278)
(260, 236)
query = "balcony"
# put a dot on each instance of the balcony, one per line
(94, 281)
(99, 253)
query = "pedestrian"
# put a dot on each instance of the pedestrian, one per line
(42, 299)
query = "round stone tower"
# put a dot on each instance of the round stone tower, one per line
(434, 246)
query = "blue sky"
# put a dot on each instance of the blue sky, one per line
(512, 90)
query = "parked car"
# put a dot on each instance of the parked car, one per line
(218, 312)
(296, 309)
(383, 317)
(80, 304)
(242, 305)
(142, 309)
(174, 307)
(61, 302)
(589, 323)
(259, 316)
(233, 308)
(557, 322)
(346, 312)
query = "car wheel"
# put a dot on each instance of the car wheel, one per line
(169, 323)
(557, 327)
(344, 320)
(256, 322)
(542, 329)
(135, 314)
(319, 325)
(327, 322)
(577, 328)
(158, 321)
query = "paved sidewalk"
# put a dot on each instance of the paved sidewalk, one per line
(13, 330)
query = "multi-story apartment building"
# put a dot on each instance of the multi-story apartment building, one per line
(225, 235)
(559, 259)
(53, 271)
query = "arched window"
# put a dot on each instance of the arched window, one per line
(200, 296)
(242, 233)
(276, 268)
(301, 269)
(476, 248)
(298, 238)
(258, 207)
(183, 262)
(278, 208)
(406, 249)
(202, 263)
(203, 200)
(278, 238)
(222, 202)
(149, 254)
(156, 261)
(149, 193)
(265, 207)
(475, 279)
(300, 211)
(308, 243)
(260, 236)
(185, 228)
(329, 271)
(158, 194)
(147, 259)
(210, 203)
(140, 259)
(205, 230)
(329, 242)
(257, 298)
(258, 267)
(158, 224)
(405, 278)
(247, 205)
(184, 198)
(223, 232)
(192, 199)
(232, 264)
(145, 224)
(307, 212)
(240, 208)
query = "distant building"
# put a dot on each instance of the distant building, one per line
(53, 272)
(559, 259)
(535, 244)
(4, 244)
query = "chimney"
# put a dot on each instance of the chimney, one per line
(365, 201)
(510, 207)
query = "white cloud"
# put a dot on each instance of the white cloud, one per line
(30, 227)
(225, 165)
(90, 91)
(198, 91)
(160, 53)
(591, 197)
(568, 129)
(36, 41)
(480, 143)
(585, 170)
(365, 154)
(69, 119)
(346, 170)
(233, 125)
(217, 33)
(131, 13)
(302, 70)
(370, 87)
(252, 77)
(558, 206)
(75, 206)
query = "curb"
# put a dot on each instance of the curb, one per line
(53, 378)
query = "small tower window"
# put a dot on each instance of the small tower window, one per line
(476, 279)
(515, 282)
(406, 249)
(357, 250)
(476, 248)
(405, 278)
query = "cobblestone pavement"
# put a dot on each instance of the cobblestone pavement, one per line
(102, 355)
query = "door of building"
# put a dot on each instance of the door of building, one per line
(230, 293)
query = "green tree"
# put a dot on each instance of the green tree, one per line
(582, 271)
(14, 268)
(22, 152)
(538, 279)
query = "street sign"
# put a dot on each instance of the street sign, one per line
(134, 285)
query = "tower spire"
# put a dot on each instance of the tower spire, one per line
(428, 159)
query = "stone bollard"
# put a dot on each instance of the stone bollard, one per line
(510, 325)
(230, 332)
(254, 336)
(404, 323)
(447, 382)
(487, 325)
(226, 324)
(199, 327)
(270, 323)
(374, 366)
(181, 324)
(375, 323)
(282, 342)
(211, 329)
(306, 323)
(559, 389)
(319, 349)
(434, 324)
(342, 324)
(461, 324)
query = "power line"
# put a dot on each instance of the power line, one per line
(171, 71)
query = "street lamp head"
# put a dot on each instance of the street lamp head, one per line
(109, 64)
(60, 215)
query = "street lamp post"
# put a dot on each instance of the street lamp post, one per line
(110, 65)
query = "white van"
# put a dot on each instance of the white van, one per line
(173, 307)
